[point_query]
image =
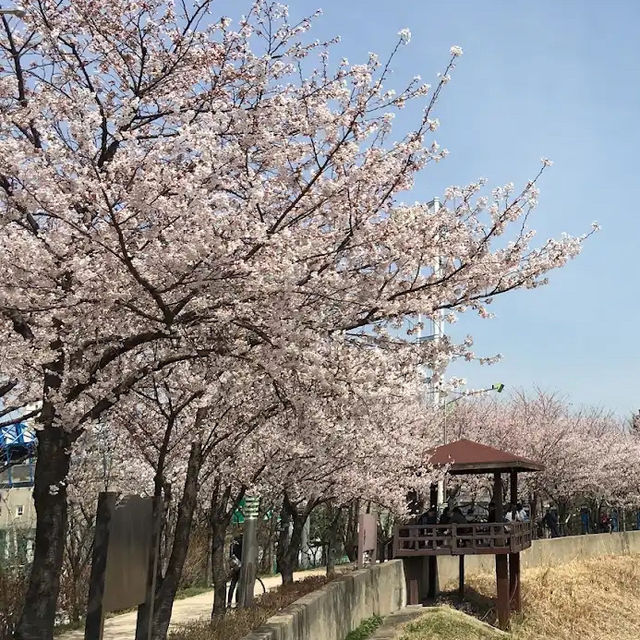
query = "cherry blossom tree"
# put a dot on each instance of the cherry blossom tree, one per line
(175, 188)
(194, 438)
(104, 461)
(368, 445)
(586, 453)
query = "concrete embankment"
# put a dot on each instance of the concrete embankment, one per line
(340, 606)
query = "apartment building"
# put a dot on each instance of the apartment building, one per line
(17, 511)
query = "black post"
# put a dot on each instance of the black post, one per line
(413, 570)
(433, 495)
(95, 613)
(249, 552)
(461, 577)
(145, 610)
(514, 582)
(514, 492)
(502, 584)
(502, 567)
(497, 496)
(433, 576)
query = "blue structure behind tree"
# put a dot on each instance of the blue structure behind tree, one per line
(17, 455)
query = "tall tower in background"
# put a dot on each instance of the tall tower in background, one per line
(433, 392)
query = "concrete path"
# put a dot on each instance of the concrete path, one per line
(123, 627)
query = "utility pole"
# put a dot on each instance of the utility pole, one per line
(436, 336)
(438, 333)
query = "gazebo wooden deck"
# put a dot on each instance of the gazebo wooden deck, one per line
(505, 540)
(461, 539)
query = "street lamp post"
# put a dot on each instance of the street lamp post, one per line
(19, 13)
(497, 387)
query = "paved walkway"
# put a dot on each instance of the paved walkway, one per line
(123, 627)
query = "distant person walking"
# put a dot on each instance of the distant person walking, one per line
(429, 517)
(457, 517)
(235, 560)
(509, 513)
(584, 519)
(605, 523)
(551, 522)
(517, 513)
(615, 527)
(521, 513)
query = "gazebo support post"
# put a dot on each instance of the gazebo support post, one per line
(433, 577)
(514, 582)
(502, 569)
(432, 561)
(433, 496)
(461, 577)
(514, 558)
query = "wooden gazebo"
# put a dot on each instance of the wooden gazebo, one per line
(505, 540)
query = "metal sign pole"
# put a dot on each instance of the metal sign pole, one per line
(144, 624)
(249, 552)
(95, 611)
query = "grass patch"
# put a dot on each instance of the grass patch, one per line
(366, 629)
(587, 599)
(63, 627)
(239, 622)
(448, 624)
(189, 592)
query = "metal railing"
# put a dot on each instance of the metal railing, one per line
(459, 539)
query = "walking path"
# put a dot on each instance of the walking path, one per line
(198, 607)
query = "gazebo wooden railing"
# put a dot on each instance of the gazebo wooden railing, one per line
(461, 539)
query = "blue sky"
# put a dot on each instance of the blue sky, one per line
(551, 78)
(559, 79)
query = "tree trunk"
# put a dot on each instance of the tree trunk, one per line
(289, 548)
(218, 536)
(332, 539)
(50, 499)
(166, 593)
(208, 579)
(351, 535)
(76, 606)
(223, 505)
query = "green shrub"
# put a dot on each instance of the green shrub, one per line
(13, 586)
(366, 629)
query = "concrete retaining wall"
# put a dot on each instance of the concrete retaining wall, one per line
(340, 606)
(544, 553)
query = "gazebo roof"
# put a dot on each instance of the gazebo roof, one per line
(466, 456)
